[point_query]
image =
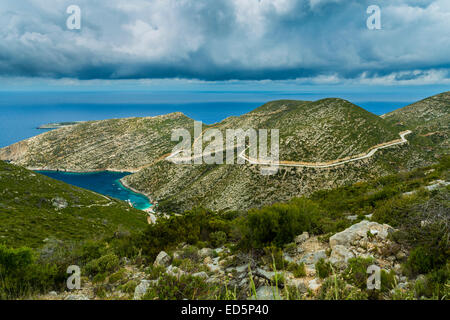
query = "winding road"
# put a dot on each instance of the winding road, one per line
(328, 164)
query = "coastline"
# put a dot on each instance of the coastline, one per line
(88, 171)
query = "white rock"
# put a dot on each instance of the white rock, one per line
(359, 231)
(76, 297)
(266, 293)
(206, 252)
(340, 254)
(313, 257)
(314, 285)
(141, 289)
(163, 259)
(301, 238)
(202, 274)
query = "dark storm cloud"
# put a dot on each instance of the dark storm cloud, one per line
(224, 39)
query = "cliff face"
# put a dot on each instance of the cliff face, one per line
(317, 131)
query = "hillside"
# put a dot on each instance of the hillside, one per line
(34, 208)
(322, 130)
(115, 144)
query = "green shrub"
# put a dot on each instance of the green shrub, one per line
(185, 287)
(388, 280)
(279, 223)
(298, 270)
(128, 287)
(21, 276)
(356, 271)
(323, 268)
(105, 264)
(154, 272)
(117, 276)
(218, 238)
(335, 288)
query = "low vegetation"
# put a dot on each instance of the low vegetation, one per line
(405, 201)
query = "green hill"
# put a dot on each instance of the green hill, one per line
(34, 208)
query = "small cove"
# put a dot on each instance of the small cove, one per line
(103, 182)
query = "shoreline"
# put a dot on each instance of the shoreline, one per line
(122, 183)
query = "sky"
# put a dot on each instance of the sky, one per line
(223, 44)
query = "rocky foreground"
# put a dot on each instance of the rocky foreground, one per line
(305, 274)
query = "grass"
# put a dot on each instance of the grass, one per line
(28, 216)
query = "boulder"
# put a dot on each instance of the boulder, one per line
(163, 259)
(340, 255)
(301, 238)
(202, 275)
(141, 289)
(359, 231)
(312, 257)
(314, 285)
(59, 203)
(206, 252)
(299, 284)
(76, 297)
(266, 293)
(174, 271)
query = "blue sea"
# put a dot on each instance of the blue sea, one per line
(106, 183)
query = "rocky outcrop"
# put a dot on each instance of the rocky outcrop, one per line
(162, 260)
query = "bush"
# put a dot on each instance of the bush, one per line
(279, 224)
(323, 268)
(21, 276)
(218, 238)
(193, 227)
(105, 264)
(356, 271)
(298, 270)
(335, 288)
(185, 287)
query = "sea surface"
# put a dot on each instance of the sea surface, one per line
(104, 182)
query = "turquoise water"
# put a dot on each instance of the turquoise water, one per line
(104, 182)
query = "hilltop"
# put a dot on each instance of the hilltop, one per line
(34, 208)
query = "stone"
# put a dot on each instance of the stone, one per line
(266, 293)
(142, 288)
(265, 274)
(314, 285)
(301, 238)
(400, 255)
(242, 268)
(207, 260)
(174, 271)
(163, 259)
(76, 297)
(340, 255)
(202, 275)
(359, 231)
(213, 267)
(59, 203)
(206, 252)
(313, 257)
(53, 293)
(299, 284)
